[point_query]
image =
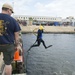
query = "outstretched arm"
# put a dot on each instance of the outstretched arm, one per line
(34, 31)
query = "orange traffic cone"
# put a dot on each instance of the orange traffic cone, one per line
(17, 56)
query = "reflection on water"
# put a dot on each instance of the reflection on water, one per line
(56, 60)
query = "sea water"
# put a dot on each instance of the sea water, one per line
(56, 60)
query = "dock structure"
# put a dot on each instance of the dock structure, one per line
(50, 29)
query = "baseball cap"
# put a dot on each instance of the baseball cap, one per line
(8, 6)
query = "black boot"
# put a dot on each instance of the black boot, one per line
(48, 46)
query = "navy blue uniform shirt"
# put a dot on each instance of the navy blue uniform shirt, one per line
(8, 26)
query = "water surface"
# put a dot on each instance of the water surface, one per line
(56, 60)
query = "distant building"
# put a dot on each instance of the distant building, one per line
(36, 20)
(44, 20)
(69, 21)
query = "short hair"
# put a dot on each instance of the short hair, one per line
(3, 8)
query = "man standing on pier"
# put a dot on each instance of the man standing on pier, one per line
(9, 33)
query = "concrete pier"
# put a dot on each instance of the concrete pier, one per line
(50, 29)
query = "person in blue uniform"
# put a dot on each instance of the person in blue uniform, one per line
(9, 36)
(39, 38)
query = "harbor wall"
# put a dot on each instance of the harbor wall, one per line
(49, 29)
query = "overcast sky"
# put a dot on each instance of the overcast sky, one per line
(51, 8)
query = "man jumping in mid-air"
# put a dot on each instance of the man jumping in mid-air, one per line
(39, 38)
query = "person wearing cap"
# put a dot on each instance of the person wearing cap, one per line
(9, 36)
(8, 8)
(39, 38)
